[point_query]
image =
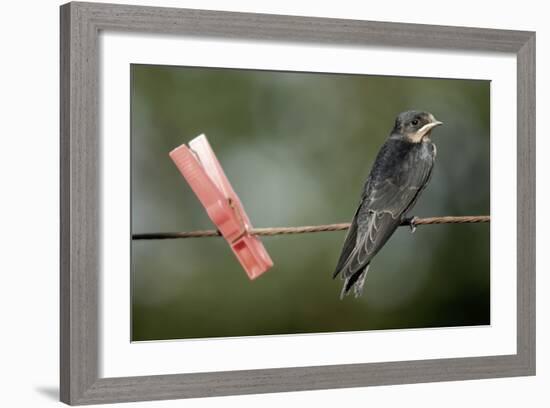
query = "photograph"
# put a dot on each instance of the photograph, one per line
(257, 201)
(379, 153)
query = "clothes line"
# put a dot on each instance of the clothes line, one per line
(271, 231)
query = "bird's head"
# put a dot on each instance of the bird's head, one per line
(415, 126)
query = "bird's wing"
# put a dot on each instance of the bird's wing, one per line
(397, 193)
(349, 244)
(372, 232)
(385, 201)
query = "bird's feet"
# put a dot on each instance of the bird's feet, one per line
(411, 222)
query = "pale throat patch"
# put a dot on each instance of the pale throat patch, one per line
(420, 134)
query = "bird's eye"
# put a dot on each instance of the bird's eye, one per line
(414, 122)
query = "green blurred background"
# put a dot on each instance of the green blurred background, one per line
(297, 148)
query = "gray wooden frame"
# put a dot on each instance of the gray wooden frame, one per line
(80, 235)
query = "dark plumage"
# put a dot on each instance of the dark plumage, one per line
(400, 172)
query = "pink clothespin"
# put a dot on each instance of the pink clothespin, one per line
(202, 170)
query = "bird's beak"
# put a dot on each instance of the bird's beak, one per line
(424, 130)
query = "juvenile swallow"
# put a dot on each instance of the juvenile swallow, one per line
(400, 172)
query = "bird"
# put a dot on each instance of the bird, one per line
(400, 172)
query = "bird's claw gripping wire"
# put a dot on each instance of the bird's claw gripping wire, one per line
(411, 222)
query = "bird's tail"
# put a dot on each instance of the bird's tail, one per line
(357, 281)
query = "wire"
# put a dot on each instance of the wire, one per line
(312, 228)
